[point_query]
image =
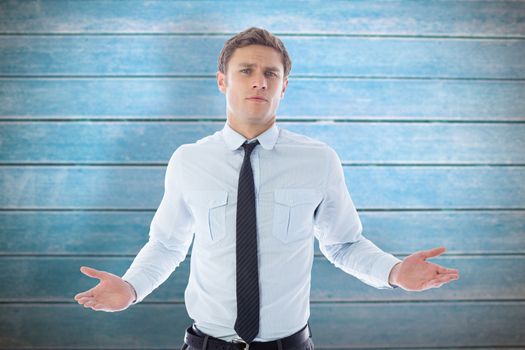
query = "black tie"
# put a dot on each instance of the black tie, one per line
(247, 323)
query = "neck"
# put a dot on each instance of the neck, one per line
(248, 130)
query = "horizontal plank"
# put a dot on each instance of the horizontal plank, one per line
(402, 325)
(355, 142)
(197, 55)
(415, 325)
(124, 233)
(481, 277)
(470, 18)
(305, 98)
(436, 187)
(58, 279)
(371, 187)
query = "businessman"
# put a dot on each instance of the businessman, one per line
(253, 197)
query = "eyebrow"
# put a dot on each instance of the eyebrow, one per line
(250, 65)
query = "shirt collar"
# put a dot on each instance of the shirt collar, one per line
(234, 140)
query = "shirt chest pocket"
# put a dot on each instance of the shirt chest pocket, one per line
(209, 211)
(294, 213)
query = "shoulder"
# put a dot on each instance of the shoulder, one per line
(290, 137)
(312, 145)
(196, 149)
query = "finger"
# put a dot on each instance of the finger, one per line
(85, 300)
(444, 279)
(88, 293)
(439, 284)
(449, 277)
(92, 272)
(443, 270)
(435, 283)
(97, 306)
(425, 254)
(100, 307)
(89, 303)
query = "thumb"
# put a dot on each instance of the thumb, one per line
(425, 254)
(91, 272)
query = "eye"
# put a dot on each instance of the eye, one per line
(273, 74)
(244, 70)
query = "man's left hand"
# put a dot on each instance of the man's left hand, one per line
(414, 273)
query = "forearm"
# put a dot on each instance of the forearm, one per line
(152, 266)
(364, 260)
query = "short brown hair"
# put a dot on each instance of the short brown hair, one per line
(253, 36)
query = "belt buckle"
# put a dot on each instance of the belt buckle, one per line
(246, 347)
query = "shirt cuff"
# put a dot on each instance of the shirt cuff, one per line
(138, 284)
(134, 291)
(383, 267)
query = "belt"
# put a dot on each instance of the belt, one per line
(199, 340)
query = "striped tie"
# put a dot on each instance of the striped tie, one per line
(247, 323)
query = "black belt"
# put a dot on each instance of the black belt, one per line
(197, 339)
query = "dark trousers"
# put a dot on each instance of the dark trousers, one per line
(307, 345)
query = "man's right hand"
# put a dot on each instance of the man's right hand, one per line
(111, 294)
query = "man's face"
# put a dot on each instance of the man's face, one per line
(253, 70)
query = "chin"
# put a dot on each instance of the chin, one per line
(260, 119)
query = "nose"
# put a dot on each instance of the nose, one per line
(259, 81)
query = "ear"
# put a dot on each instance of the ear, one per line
(285, 85)
(221, 81)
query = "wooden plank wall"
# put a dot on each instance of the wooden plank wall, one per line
(423, 100)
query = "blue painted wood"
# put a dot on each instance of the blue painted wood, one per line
(120, 233)
(58, 279)
(305, 98)
(407, 325)
(197, 56)
(341, 325)
(440, 187)
(371, 187)
(389, 60)
(355, 142)
(437, 17)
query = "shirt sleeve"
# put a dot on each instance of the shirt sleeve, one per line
(339, 231)
(170, 236)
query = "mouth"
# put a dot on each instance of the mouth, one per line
(257, 99)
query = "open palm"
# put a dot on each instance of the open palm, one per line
(111, 294)
(414, 273)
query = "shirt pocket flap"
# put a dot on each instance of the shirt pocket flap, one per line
(209, 199)
(296, 196)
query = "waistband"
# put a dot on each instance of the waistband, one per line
(199, 340)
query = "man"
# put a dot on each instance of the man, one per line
(255, 196)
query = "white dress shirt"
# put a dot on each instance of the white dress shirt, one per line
(300, 194)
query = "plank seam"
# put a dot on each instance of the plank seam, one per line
(318, 256)
(206, 76)
(279, 34)
(221, 120)
(324, 303)
(156, 164)
(372, 210)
